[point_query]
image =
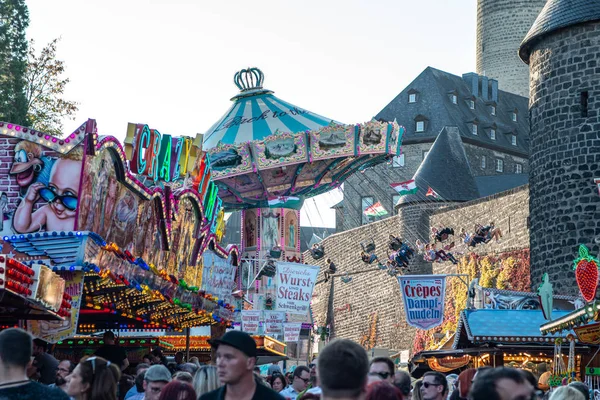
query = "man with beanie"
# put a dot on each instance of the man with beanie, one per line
(236, 358)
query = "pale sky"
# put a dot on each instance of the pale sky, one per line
(170, 64)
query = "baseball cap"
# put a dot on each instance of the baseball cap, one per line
(237, 339)
(158, 373)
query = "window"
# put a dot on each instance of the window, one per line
(425, 152)
(453, 98)
(493, 110)
(483, 162)
(513, 140)
(493, 134)
(471, 104)
(514, 116)
(366, 202)
(398, 161)
(420, 126)
(518, 169)
(499, 165)
(474, 129)
(395, 200)
(412, 98)
(584, 104)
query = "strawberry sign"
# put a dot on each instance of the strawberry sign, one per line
(586, 273)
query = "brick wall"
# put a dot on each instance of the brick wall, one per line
(348, 307)
(565, 151)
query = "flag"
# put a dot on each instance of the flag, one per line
(376, 210)
(284, 201)
(408, 187)
(431, 192)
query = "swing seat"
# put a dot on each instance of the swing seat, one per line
(269, 270)
(275, 253)
(368, 247)
(318, 253)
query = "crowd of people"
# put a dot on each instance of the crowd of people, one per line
(342, 372)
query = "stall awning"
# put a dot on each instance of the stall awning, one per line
(266, 346)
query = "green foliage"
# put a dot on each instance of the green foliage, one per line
(45, 88)
(14, 20)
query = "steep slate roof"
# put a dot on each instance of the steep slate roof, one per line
(492, 184)
(556, 15)
(446, 170)
(433, 87)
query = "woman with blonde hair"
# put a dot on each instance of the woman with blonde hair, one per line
(94, 378)
(566, 393)
(206, 380)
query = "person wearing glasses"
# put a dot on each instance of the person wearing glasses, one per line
(382, 367)
(65, 367)
(435, 386)
(300, 380)
(94, 378)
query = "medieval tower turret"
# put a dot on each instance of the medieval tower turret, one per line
(501, 25)
(562, 49)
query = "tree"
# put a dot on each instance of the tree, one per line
(44, 90)
(14, 20)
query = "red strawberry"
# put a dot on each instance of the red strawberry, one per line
(586, 272)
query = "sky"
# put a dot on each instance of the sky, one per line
(170, 64)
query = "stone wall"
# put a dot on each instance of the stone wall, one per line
(501, 26)
(350, 308)
(475, 155)
(565, 151)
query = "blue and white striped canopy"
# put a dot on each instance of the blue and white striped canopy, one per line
(255, 116)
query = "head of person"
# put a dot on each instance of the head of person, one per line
(179, 357)
(194, 360)
(156, 378)
(139, 381)
(479, 371)
(108, 337)
(189, 367)
(435, 386)
(313, 371)
(343, 368)
(465, 380)
(15, 349)
(177, 390)
(64, 369)
(148, 359)
(384, 367)
(141, 367)
(94, 378)
(39, 347)
(206, 379)
(277, 382)
(583, 389)
(567, 393)
(383, 390)
(403, 383)
(501, 384)
(301, 378)
(416, 392)
(236, 357)
(183, 376)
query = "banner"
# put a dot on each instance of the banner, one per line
(251, 320)
(295, 283)
(291, 331)
(423, 297)
(588, 333)
(274, 322)
(218, 276)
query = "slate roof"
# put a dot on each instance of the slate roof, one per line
(433, 103)
(492, 184)
(446, 170)
(556, 15)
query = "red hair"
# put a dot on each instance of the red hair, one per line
(178, 390)
(464, 379)
(383, 390)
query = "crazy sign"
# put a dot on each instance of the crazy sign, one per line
(423, 297)
(295, 284)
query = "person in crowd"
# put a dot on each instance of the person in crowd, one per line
(342, 370)
(501, 384)
(236, 357)
(189, 367)
(465, 380)
(317, 251)
(383, 390)
(65, 367)
(159, 357)
(566, 393)
(368, 258)
(148, 359)
(384, 367)
(195, 360)
(441, 234)
(434, 387)
(331, 270)
(155, 379)
(112, 352)
(300, 380)
(178, 362)
(15, 354)
(138, 388)
(177, 390)
(94, 378)
(206, 380)
(183, 376)
(277, 382)
(582, 387)
(273, 368)
(44, 363)
(403, 382)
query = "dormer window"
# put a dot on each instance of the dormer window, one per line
(514, 116)
(412, 96)
(493, 133)
(474, 128)
(513, 140)
(493, 110)
(453, 98)
(420, 123)
(471, 104)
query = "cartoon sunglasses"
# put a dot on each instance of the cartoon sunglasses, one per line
(67, 200)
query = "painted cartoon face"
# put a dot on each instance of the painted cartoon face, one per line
(25, 166)
(64, 184)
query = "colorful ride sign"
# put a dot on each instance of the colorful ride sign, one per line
(423, 297)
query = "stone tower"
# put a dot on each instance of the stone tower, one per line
(562, 49)
(501, 25)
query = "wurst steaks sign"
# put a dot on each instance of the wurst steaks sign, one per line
(295, 284)
(423, 297)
